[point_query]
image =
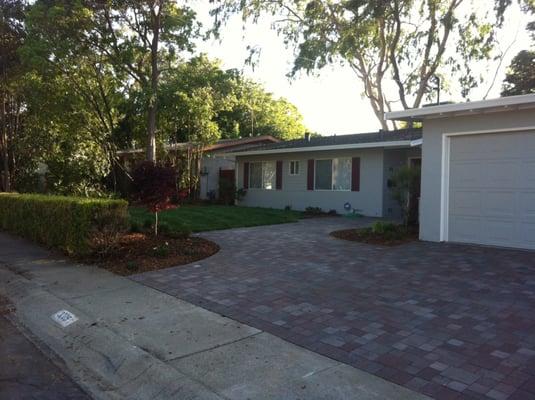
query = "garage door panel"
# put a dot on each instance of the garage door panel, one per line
(501, 174)
(527, 173)
(499, 204)
(499, 146)
(464, 229)
(466, 203)
(492, 189)
(498, 231)
(527, 143)
(527, 206)
(465, 174)
(526, 235)
(467, 150)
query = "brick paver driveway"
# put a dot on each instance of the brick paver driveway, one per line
(450, 321)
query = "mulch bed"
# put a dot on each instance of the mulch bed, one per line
(365, 235)
(140, 252)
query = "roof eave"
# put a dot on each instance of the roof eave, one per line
(371, 145)
(521, 102)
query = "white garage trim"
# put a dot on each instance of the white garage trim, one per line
(445, 184)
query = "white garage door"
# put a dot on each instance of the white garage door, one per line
(492, 189)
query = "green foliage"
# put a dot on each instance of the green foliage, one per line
(201, 102)
(74, 225)
(404, 41)
(79, 84)
(161, 251)
(386, 231)
(404, 182)
(381, 227)
(240, 194)
(520, 77)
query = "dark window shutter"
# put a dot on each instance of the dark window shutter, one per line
(246, 175)
(278, 177)
(355, 174)
(310, 175)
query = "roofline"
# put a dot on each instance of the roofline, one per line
(469, 108)
(370, 145)
(241, 142)
(216, 146)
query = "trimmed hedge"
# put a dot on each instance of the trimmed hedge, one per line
(68, 223)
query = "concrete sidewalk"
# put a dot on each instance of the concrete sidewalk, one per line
(133, 342)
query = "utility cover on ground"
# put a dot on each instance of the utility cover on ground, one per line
(64, 318)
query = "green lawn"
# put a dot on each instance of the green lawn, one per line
(199, 218)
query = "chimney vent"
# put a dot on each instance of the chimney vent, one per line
(307, 136)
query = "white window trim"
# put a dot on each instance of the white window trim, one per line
(445, 184)
(262, 175)
(296, 162)
(332, 172)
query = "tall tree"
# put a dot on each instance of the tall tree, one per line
(399, 43)
(11, 38)
(520, 77)
(200, 102)
(141, 38)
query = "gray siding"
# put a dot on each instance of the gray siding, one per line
(213, 164)
(432, 157)
(294, 191)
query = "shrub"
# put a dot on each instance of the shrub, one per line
(73, 224)
(155, 186)
(380, 227)
(404, 182)
(313, 210)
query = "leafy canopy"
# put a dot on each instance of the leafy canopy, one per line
(395, 48)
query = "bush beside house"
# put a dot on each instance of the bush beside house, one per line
(71, 224)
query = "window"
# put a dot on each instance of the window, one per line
(262, 175)
(324, 175)
(294, 167)
(333, 174)
(342, 174)
(255, 175)
(269, 170)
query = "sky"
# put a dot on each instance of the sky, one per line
(331, 101)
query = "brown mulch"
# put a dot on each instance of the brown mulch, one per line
(364, 235)
(139, 252)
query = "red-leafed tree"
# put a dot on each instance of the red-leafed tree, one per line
(155, 187)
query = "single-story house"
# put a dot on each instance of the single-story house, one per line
(345, 173)
(478, 171)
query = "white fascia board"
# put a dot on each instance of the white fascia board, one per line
(501, 104)
(417, 142)
(397, 143)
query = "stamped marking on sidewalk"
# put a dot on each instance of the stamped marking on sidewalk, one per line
(64, 318)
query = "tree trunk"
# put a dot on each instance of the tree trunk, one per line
(154, 78)
(6, 184)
